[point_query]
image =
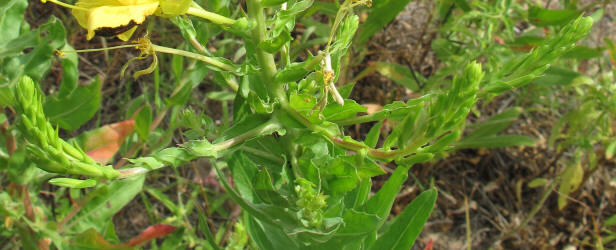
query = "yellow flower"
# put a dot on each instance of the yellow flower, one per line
(111, 16)
(100, 14)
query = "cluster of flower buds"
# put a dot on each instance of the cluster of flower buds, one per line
(49, 151)
(311, 203)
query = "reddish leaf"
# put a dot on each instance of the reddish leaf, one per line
(102, 143)
(430, 245)
(151, 233)
(91, 239)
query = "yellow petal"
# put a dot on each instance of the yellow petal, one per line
(112, 13)
(127, 34)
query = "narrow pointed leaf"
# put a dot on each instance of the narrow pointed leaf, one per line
(406, 227)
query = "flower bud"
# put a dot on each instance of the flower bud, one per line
(72, 183)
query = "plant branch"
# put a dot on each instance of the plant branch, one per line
(210, 16)
(266, 128)
(266, 60)
(209, 60)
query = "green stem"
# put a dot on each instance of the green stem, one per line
(206, 59)
(98, 49)
(375, 153)
(266, 128)
(210, 16)
(266, 60)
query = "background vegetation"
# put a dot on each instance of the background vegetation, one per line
(512, 125)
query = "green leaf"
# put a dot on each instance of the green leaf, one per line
(416, 158)
(383, 12)
(244, 173)
(274, 44)
(372, 138)
(571, 179)
(381, 203)
(521, 70)
(243, 126)
(356, 222)
(163, 198)
(406, 227)
(342, 176)
(272, 215)
(103, 203)
(20, 169)
(150, 163)
(293, 72)
(463, 5)
(6, 96)
(358, 196)
(266, 152)
(335, 111)
(583, 53)
(345, 90)
(220, 95)
(497, 141)
(70, 72)
(443, 7)
(180, 97)
(205, 230)
(341, 45)
(271, 3)
(11, 19)
(413, 122)
(443, 142)
(399, 74)
(495, 124)
(143, 122)
(36, 63)
(185, 25)
(610, 221)
(558, 76)
(538, 182)
(610, 150)
(546, 17)
(75, 109)
(134, 106)
(268, 236)
(265, 189)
